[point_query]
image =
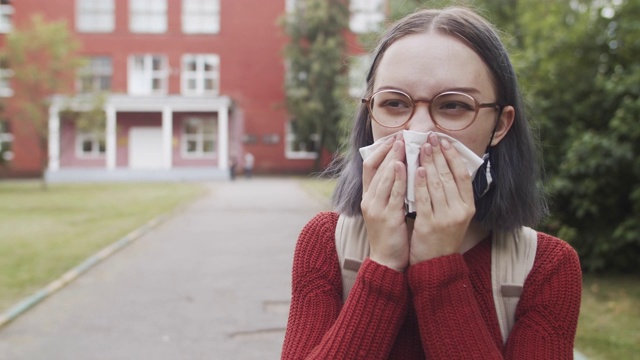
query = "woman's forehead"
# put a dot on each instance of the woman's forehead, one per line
(430, 63)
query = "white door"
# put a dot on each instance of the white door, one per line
(145, 148)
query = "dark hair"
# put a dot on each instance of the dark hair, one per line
(515, 199)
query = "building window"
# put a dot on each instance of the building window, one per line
(358, 68)
(95, 16)
(201, 16)
(199, 137)
(366, 15)
(298, 148)
(148, 75)
(6, 15)
(96, 75)
(6, 142)
(5, 79)
(90, 145)
(148, 16)
(200, 74)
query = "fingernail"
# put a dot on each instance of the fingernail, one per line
(445, 143)
(433, 140)
(422, 172)
(427, 149)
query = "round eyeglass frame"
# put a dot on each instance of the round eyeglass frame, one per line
(478, 106)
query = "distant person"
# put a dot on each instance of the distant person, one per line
(248, 165)
(425, 289)
(232, 168)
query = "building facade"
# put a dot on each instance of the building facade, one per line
(191, 87)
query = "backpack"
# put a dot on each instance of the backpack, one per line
(512, 257)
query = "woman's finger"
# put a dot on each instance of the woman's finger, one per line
(459, 170)
(371, 164)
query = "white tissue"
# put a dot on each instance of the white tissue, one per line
(413, 142)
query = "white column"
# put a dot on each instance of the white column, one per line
(223, 137)
(111, 137)
(167, 137)
(54, 138)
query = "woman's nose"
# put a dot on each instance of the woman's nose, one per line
(421, 120)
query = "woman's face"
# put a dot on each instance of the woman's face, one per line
(425, 65)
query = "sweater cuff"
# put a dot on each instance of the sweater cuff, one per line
(436, 273)
(382, 280)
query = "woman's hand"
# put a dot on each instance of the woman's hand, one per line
(444, 202)
(384, 179)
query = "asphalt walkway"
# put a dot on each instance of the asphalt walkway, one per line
(211, 282)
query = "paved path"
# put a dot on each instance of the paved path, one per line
(212, 282)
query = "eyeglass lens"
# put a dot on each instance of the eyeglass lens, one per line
(451, 111)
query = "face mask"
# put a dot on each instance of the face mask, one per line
(413, 142)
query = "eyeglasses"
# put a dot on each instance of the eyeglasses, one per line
(449, 110)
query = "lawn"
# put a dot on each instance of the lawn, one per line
(45, 233)
(609, 325)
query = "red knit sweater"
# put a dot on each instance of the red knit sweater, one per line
(438, 309)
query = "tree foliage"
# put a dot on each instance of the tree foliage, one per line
(316, 80)
(43, 58)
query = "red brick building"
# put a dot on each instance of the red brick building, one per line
(193, 85)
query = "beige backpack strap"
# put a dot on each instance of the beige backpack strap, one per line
(352, 247)
(512, 257)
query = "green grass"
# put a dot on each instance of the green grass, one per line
(609, 325)
(45, 233)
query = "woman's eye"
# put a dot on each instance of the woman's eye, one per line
(452, 105)
(398, 104)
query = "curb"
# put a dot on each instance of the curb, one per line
(72, 274)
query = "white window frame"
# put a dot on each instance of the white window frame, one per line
(95, 16)
(148, 16)
(290, 152)
(6, 137)
(366, 15)
(199, 138)
(200, 16)
(98, 72)
(201, 75)
(95, 139)
(141, 81)
(6, 17)
(6, 73)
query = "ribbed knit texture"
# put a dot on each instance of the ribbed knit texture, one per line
(438, 309)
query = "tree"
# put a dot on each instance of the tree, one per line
(316, 81)
(44, 61)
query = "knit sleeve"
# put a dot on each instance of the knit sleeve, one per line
(454, 325)
(319, 326)
(547, 314)
(450, 320)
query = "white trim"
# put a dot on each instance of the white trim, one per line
(95, 138)
(140, 82)
(290, 138)
(6, 12)
(95, 16)
(223, 137)
(111, 145)
(167, 137)
(54, 138)
(199, 138)
(148, 16)
(200, 16)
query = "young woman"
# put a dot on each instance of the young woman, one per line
(425, 290)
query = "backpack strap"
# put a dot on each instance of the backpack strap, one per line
(352, 247)
(512, 257)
